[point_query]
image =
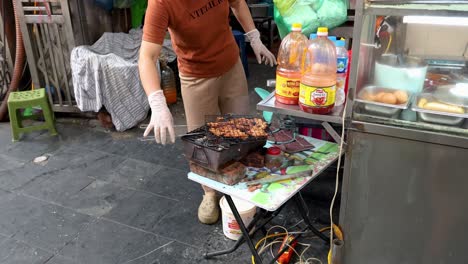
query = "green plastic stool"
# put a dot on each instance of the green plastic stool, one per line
(22, 100)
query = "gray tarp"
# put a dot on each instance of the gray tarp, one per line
(106, 74)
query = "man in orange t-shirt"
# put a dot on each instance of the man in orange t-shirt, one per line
(211, 73)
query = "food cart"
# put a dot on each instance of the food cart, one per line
(403, 198)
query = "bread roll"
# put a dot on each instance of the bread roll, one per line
(368, 96)
(379, 96)
(388, 98)
(401, 96)
(441, 107)
(422, 102)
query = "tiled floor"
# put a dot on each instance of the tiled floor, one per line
(107, 198)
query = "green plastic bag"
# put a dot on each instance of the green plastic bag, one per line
(310, 13)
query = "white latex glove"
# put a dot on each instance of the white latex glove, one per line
(261, 52)
(161, 119)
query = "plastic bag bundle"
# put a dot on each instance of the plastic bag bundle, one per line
(123, 3)
(310, 13)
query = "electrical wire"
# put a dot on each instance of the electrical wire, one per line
(337, 183)
(267, 236)
(389, 43)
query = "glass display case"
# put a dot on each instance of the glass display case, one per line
(412, 69)
(407, 143)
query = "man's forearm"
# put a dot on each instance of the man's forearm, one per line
(242, 13)
(149, 75)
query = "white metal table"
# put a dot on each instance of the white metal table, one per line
(272, 197)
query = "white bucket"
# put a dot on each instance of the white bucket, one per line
(230, 227)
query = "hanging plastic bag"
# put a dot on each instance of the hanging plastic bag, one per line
(123, 3)
(310, 13)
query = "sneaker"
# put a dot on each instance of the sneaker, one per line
(208, 212)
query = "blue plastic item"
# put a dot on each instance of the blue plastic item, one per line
(340, 43)
(313, 36)
(240, 40)
(268, 116)
(108, 5)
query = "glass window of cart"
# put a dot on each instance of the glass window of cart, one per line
(412, 72)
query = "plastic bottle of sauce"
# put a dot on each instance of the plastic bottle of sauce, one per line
(318, 82)
(341, 71)
(168, 82)
(288, 72)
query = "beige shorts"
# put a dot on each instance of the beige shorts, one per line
(226, 94)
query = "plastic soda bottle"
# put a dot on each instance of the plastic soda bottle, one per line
(288, 71)
(318, 82)
(168, 82)
(341, 71)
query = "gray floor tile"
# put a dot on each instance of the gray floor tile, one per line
(102, 167)
(59, 186)
(9, 163)
(175, 184)
(28, 149)
(105, 242)
(183, 254)
(98, 198)
(5, 136)
(3, 238)
(125, 148)
(141, 210)
(170, 155)
(182, 225)
(18, 177)
(72, 157)
(14, 252)
(38, 223)
(82, 136)
(56, 259)
(131, 173)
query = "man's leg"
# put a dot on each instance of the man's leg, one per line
(200, 98)
(234, 93)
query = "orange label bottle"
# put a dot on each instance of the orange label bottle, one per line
(288, 72)
(318, 83)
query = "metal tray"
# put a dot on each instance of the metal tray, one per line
(436, 117)
(378, 110)
(455, 94)
(381, 109)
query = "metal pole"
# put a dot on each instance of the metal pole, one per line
(236, 214)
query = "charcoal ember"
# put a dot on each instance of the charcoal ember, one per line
(254, 159)
(231, 174)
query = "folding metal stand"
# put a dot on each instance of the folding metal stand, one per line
(261, 219)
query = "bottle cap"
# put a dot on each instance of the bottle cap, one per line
(313, 36)
(340, 43)
(296, 27)
(274, 151)
(322, 31)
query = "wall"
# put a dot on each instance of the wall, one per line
(436, 40)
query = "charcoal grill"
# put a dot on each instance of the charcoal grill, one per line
(214, 152)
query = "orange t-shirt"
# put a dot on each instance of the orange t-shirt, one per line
(200, 33)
